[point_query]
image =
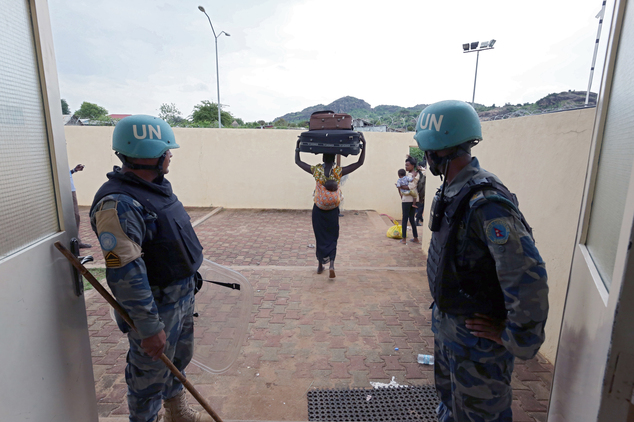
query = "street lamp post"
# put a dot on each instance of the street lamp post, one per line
(470, 48)
(202, 9)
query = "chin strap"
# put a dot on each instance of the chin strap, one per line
(439, 162)
(134, 166)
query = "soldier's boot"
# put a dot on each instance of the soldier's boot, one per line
(177, 410)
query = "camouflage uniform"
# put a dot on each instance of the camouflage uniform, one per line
(473, 374)
(152, 309)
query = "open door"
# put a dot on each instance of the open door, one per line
(46, 368)
(594, 370)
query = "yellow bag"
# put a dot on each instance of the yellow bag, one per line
(395, 232)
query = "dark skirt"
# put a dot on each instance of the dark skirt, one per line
(326, 228)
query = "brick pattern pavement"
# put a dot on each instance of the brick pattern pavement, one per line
(281, 238)
(305, 330)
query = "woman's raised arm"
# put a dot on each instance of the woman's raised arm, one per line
(302, 165)
(352, 167)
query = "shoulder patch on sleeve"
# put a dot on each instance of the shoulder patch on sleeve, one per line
(108, 241)
(475, 198)
(498, 231)
(118, 248)
(112, 260)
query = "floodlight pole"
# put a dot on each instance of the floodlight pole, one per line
(475, 79)
(477, 50)
(596, 48)
(202, 9)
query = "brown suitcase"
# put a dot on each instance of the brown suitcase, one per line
(329, 120)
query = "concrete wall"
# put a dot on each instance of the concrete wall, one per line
(248, 168)
(542, 159)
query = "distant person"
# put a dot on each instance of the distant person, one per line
(325, 212)
(420, 205)
(407, 201)
(78, 167)
(487, 280)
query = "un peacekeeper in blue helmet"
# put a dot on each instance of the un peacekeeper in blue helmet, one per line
(152, 255)
(485, 274)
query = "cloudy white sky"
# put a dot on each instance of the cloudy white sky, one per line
(284, 55)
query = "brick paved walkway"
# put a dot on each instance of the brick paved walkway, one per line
(307, 331)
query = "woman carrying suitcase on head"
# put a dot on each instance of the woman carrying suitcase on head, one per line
(326, 208)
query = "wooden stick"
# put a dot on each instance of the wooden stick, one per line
(111, 300)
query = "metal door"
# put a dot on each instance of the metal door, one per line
(594, 369)
(46, 368)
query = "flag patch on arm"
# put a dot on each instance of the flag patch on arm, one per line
(498, 231)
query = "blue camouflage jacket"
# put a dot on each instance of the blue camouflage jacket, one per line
(520, 270)
(129, 282)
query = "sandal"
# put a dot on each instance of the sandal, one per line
(415, 240)
(332, 273)
(404, 241)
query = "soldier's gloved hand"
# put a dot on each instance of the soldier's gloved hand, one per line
(154, 345)
(486, 327)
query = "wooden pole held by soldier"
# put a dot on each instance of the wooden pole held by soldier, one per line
(111, 300)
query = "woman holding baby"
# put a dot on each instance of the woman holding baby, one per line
(408, 192)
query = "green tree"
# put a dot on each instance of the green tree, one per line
(171, 114)
(65, 108)
(280, 122)
(91, 111)
(252, 125)
(205, 114)
(416, 153)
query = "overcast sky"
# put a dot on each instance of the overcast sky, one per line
(285, 55)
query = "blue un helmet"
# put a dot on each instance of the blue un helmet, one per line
(142, 136)
(444, 125)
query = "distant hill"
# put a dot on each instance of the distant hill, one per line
(342, 105)
(404, 118)
(551, 102)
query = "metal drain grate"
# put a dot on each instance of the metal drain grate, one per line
(415, 403)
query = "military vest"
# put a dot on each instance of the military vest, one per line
(457, 286)
(175, 252)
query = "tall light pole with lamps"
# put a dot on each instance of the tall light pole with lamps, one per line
(470, 48)
(202, 9)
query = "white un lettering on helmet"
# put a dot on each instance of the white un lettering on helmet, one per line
(151, 129)
(425, 121)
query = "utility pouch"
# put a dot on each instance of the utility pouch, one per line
(437, 212)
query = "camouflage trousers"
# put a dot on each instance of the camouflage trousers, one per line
(472, 375)
(150, 382)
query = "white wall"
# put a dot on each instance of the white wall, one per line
(248, 168)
